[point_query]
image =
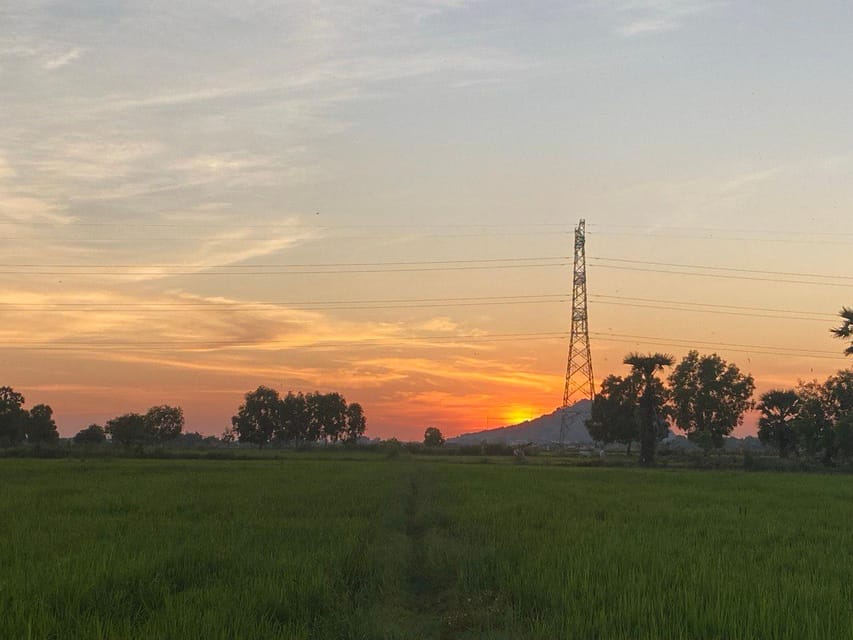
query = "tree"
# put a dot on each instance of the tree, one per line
(93, 434)
(779, 410)
(165, 422)
(814, 417)
(13, 417)
(259, 417)
(615, 411)
(294, 418)
(41, 428)
(846, 329)
(651, 400)
(356, 422)
(331, 415)
(130, 429)
(314, 413)
(709, 397)
(844, 435)
(838, 391)
(836, 401)
(433, 437)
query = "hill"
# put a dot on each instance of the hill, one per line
(542, 430)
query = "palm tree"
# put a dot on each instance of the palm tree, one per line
(779, 411)
(647, 366)
(846, 328)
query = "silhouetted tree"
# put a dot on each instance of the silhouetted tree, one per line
(13, 417)
(314, 412)
(433, 437)
(130, 429)
(709, 397)
(294, 418)
(356, 422)
(330, 412)
(165, 422)
(814, 419)
(259, 417)
(844, 435)
(41, 429)
(651, 400)
(779, 410)
(93, 434)
(616, 411)
(837, 394)
(846, 329)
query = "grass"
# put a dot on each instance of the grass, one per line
(367, 548)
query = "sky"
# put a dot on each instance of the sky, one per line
(378, 198)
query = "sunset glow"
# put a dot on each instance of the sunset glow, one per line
(379, 200)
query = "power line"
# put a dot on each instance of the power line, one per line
(721, 276)
(276, 264)
(206, 303)
(165, 273)
(282, 224)
(404, 342)
(721, 238)
(279, 345)
(713, 312)
(263, 307)
(767, 349)
(730, 269)
(708, 304)
(724, 229)
(373, 236)
(753, 352)
(698, 309)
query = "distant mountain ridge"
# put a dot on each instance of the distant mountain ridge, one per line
(546, 430)
(542, 430)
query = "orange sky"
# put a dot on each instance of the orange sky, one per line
(464, 365)
(378, 199)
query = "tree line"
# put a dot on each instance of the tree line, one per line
(706, 398)
(264, 417)
(296, 418)
(19, 425)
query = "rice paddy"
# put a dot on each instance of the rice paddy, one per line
(334, 548)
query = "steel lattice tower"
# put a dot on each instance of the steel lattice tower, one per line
(579, 381)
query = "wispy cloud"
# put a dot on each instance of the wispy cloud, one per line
(20, 204)
(63, 59)
(636, 18)
(647, 26)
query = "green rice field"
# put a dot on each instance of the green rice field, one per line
(329, 547)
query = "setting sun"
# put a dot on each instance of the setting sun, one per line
(517, 414)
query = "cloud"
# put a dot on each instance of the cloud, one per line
(6, 170)
(637, 18)
(63, 59)
(648, 26)
(751, 178)
(20, 205)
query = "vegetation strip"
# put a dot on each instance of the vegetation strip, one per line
(416, 547)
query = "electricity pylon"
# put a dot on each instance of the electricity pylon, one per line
(579, 381)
